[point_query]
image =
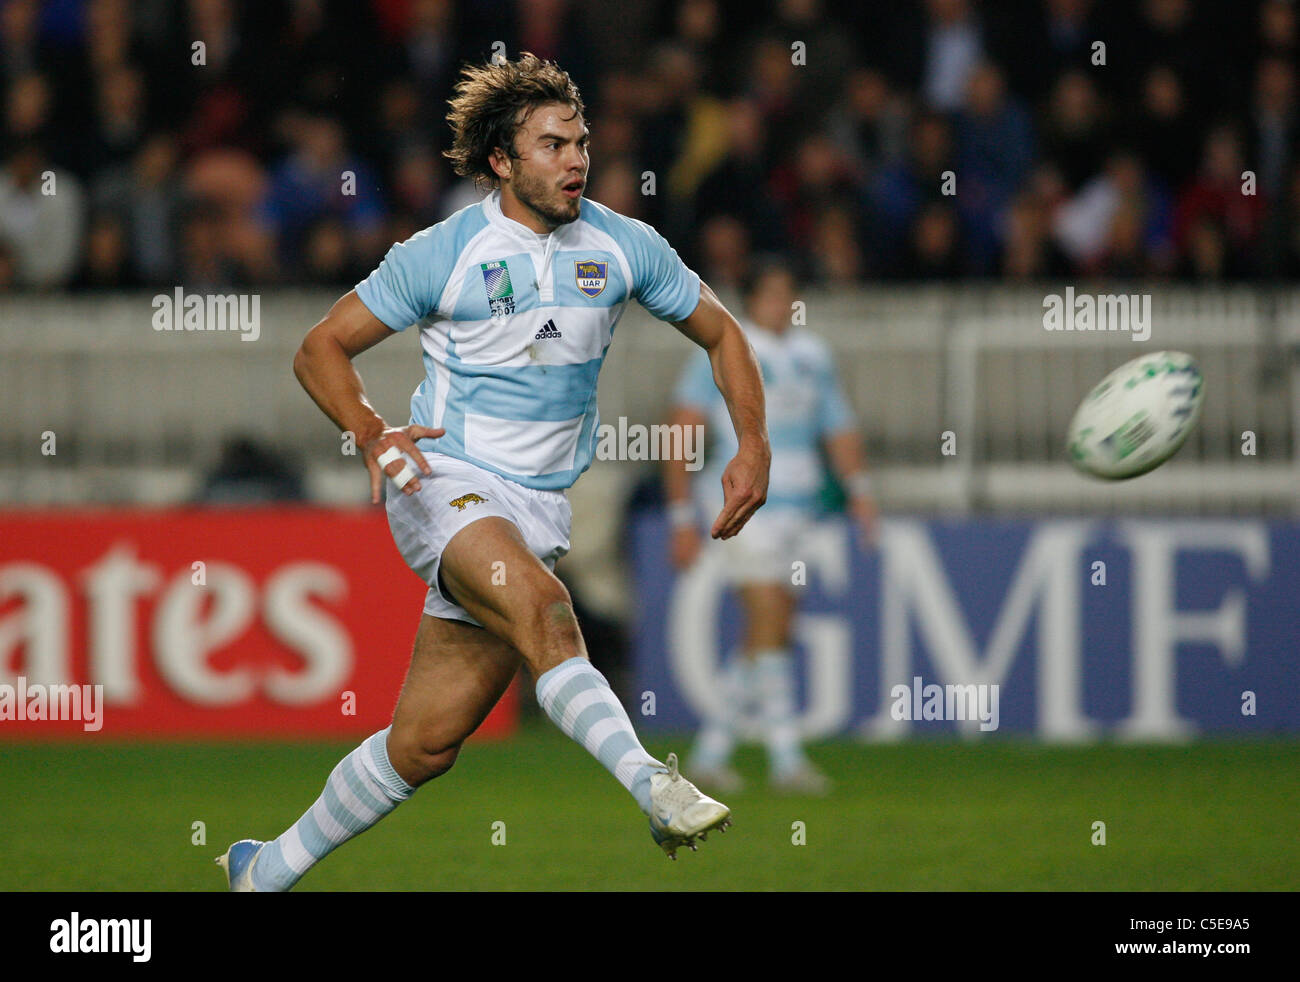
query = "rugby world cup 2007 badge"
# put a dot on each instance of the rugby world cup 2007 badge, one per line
(500, 293)
(591, 276)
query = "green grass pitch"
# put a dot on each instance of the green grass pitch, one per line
(912, 816)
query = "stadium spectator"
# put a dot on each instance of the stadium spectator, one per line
(147, 194)
(1139, 240)
(933, 250)
(42, 214)
(738, 185)
(1217, 193)
(819, 177)
(836, 257)
(827, 49)
(869, 122)
(321, 178)
(953, 48)
(617, 185)
(120, 120)
(1029, 252)
(725, 252)
(1075, 135)
(994, 151)
(228, 186)
(709, 96)
(28, 112)
(21, 51)
(698, 25)
(107, 264)
(900, 191)
(1163, 129)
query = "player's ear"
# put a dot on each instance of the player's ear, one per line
(500, 162)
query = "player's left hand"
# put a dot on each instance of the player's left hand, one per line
(401, 438)
(744, 489)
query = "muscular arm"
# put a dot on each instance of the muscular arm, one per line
(324, 366)
(844, 449)
(737, 375)
(849, 462)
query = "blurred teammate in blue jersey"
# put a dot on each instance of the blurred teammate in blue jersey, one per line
(807, 416)
(515, 300)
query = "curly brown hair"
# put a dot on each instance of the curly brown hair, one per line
(492, 102)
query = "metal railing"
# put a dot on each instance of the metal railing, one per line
(138, 414)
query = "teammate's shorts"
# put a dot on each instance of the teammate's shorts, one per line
(457, 494)
(765, 548)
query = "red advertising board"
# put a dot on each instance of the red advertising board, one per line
(279, 621)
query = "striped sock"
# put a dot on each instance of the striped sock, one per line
(361, 790)
(774, 672)
(717, 737)
(580, 702)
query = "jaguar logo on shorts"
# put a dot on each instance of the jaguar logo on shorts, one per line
(466, 499)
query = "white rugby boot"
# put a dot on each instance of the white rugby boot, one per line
(679, 813)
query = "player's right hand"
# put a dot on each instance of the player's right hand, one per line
(403, 438)
(684, 546)
(744, 489)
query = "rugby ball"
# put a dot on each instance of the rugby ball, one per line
(1137, 417)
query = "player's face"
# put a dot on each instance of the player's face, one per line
(770, 303)
(550, 173)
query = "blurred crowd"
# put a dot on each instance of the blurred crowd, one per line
(219, 144)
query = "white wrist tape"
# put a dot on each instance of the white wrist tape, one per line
(388, 456)
(403, 477)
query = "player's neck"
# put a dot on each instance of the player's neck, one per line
(517, 211)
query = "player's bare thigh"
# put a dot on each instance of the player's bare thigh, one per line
(458, 673)
(489, 570)
(769, 615)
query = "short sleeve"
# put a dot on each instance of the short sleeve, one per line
(696, 387)
(400, 291)
(665, 286)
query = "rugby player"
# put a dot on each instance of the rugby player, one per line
(516, 299)
(808, 415)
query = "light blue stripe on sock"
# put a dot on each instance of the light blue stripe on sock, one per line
(575, 686)
(272, 873)
(588, 718)
(613, 748)
(352, 776)
(547, 677)
(313, 839)
(339, 811)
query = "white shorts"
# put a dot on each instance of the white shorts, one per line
(764, 549)
(457, 494)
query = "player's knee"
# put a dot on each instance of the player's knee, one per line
(556, 619)
(421, 756)
(549, 612)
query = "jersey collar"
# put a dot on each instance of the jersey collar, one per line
(492, 208)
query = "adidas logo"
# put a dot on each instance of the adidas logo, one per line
(549, 330)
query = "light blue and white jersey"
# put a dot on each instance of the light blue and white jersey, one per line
(804, 405)
(515, 325)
